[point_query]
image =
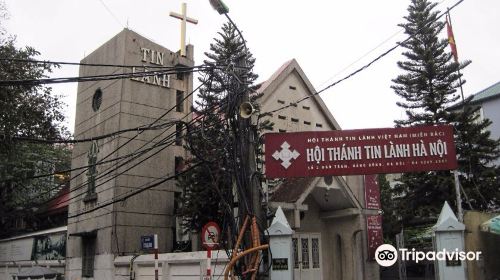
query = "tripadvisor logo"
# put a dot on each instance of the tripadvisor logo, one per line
(387, 255)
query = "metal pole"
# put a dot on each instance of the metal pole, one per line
(156, 256)
(459, 197)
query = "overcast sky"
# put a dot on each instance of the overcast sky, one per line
(329, 39)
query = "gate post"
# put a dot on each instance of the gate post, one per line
(449, 236)
(280, 247)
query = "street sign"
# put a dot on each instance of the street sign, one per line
(359, 152)
(147, 242)
(210, 235)
(374, 234)
(372, 192)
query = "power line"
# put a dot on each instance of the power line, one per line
(139, 132)
(111, 13)
(359, 69)
(73, 141)
(132, 193)
(17, 60)
(32, 82)
(138, 153)
(367, 53)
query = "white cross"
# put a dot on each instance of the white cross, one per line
(285, 155)
(183, 17)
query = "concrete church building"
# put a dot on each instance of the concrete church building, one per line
(327, 214)
(99, 230)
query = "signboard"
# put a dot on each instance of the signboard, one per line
(210, 235)
(147, 242)
(372, 192)
(49, 247)
(16, 250)
(357, 152)
(280, 264)
(374, 234)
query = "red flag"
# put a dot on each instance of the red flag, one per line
(451, 39)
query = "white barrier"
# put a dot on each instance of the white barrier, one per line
(185, 266)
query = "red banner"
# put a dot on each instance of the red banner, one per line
(357, 152)
(374, 234)
(372, 192)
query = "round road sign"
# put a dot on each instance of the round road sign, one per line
(210, 235)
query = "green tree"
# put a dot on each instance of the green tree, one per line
(26, 111)
(209, 189)
(428, 89)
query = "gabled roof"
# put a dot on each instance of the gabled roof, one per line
(291, 189)
(281, 74)
(491, 92)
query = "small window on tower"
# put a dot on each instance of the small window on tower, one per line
(88, 254)
(281, 117)
(295, 120)
(319, 125)
(292, 87)
(180, 76)
(179, 101)
(307, 123)
(97, 99)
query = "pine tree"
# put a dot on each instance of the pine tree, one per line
(208, 189)
(429, 88)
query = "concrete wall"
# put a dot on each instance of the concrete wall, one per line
(8, 269)
(126, 103)
(475, 240)
(491, 110)
(184, 266)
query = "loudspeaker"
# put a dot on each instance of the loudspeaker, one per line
(246, 110)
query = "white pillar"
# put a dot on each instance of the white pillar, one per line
(280, 247)
(449, 236)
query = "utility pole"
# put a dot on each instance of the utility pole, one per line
(247, 131)
(247, 140)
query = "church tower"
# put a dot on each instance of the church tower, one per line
(111, 206)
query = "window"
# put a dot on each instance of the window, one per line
(178, 134)
(295, 120)
(306, 107)
(307, 123)
(97, 99)
(281, 101)
(319, 125)
(293, 104)
(295, 253)
(315, 252)
(292, 87)
(179, 101)
(281, 117)
(88, 254)
(305, 252)
(282, 130)
(180, 75)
